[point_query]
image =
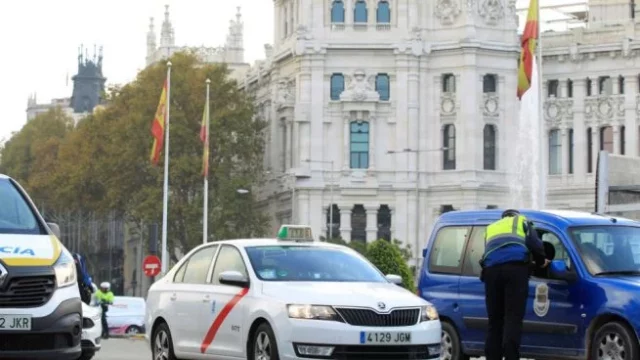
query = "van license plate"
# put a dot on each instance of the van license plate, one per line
(15, 322)
(385, 337)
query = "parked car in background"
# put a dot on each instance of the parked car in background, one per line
(91, 331)
(126, 315)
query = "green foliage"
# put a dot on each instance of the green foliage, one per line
(102, 165)
(389, 257)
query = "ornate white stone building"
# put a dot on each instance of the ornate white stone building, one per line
(370, 102)
(232, 53)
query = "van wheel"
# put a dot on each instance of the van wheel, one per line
(614, 341)
(133, 330)
(162, 344)
(451, 348)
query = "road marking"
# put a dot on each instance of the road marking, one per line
(211, 334)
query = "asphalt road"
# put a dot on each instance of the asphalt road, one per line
(124, 349)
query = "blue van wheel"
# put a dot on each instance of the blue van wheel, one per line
(614, 341)
(451, 348)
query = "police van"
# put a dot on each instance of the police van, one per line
(585, 304)
(40, 306)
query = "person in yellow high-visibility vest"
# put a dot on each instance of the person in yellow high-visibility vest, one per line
(104, 296)
(509, 245)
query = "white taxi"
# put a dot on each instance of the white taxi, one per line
(286, 298)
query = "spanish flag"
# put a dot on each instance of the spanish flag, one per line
(204, 137)
(157, 127)
(529, 42)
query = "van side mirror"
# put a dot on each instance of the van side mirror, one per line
(234, 278)
(55, 229)
(424, 253)
(558, 270)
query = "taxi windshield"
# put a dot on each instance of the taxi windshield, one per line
(310, 263)
(609, 250)
(16, 216)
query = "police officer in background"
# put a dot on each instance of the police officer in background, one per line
(509, 245)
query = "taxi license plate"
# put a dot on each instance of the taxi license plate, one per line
(15, 322)
(385, 337)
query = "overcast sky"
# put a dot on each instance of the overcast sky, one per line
(40, 40)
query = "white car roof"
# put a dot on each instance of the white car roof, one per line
(242, 243)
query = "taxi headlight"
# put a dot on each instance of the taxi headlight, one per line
(428, 313)
(65, 269)
(312, 312)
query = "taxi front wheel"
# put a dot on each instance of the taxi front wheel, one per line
(264, 346)
(614, 340)
(162, 344)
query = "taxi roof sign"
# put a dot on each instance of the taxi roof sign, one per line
(301, 233)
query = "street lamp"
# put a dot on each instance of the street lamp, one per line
(330, 194)
(417, 152)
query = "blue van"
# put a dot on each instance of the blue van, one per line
(585, 304)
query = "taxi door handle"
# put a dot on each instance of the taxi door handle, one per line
(206, 298)
(173, 297)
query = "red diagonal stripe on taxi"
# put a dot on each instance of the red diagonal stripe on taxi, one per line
(211, 334)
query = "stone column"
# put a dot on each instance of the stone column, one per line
(289, 138)
(316, 133)
(615, 85)
(372, 222)
(630, 121)
(595, 148)
(324, 224)
(372, 142)
(616, 137)
(563, 88)
(345, 223)
(393, 223)
(348, 12)
(345, 142)
(594, 87)
(579, 131)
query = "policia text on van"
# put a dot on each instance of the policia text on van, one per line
(40, 306)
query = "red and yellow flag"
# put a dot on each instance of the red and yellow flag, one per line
(204, 137)
(529, 42)
(157, 127)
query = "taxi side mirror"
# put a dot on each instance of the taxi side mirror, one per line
(396, 279)
(234, 278)
(558, 270)
(55, 229)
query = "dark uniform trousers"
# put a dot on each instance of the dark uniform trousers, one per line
(507, 289)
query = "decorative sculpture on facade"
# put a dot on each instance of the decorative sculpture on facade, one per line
(447, 11)
(492, 11)
(360, 88)
(284, 93)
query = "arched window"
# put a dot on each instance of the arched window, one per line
(337, 12)
(384, 223)
(606, 139)
(360, 12)
(359, 145)
(382, 86)
(337, 86)
(489, 147)
(359, 224)
(383, 13)
(555, 152)
(333, 233)
(449, 147)
(489, 83)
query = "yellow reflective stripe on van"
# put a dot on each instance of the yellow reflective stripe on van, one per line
(57, 250)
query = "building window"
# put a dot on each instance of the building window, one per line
(605, 85)
(360, 12)
(384, 222)
(552, 88)
(555, 152)
(589, 87)
(383, 13)
(489, 147)
(570, 151)
(569, 88)
(606, 139)
(337, 12)
(620, 84)
(382, 86)
(359, 224)
(622, 140)
(489, 83)
(589, 151)
(359, 145)
(449, 147)
(491, 207)
(335, 231)
(337, 86)
(448, 83)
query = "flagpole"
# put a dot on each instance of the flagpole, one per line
(165, 192)
(542, 186)
(205, 212)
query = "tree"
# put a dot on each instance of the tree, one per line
(388, 258)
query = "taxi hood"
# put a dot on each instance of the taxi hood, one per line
(29, 250)
(341, 293)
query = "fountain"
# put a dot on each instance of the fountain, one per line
(526, 177)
